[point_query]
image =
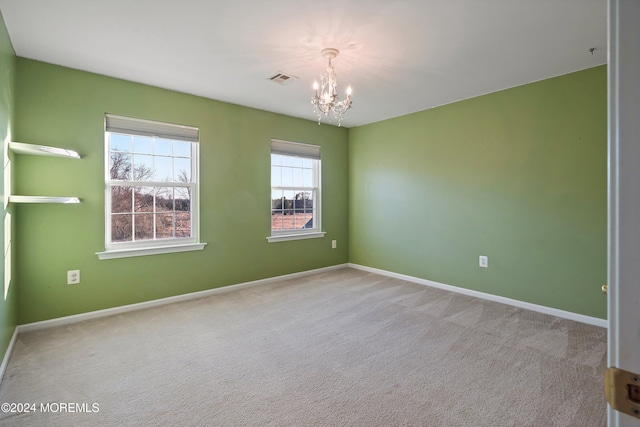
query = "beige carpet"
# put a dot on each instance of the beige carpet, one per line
(344, 348)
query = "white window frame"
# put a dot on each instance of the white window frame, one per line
(307, 151)
(138, 127)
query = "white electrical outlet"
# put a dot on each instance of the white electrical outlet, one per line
(334, 244)
(73, 277)
(484, 261)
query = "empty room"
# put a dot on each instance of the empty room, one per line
(292, 213)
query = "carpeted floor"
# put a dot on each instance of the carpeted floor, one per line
(343, 348)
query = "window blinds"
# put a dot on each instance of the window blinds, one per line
(142, 127)
(295, 149)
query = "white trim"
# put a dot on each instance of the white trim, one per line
(286, 237)
(624, 195)
(603, 323)
(7, 354)
(154, 130)
(131, 252)
(67, 320)
(279, 147)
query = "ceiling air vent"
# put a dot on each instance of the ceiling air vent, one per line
(282, 78)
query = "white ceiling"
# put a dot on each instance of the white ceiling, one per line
(399, 56)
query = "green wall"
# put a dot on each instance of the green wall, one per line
(518, 175)
(64, 107)
(8, 304)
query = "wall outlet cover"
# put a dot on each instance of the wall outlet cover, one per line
(73, 277)
(484, 261)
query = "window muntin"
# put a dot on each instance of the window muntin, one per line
(151, 184)
(295, 188)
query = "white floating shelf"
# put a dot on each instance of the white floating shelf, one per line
(42, 150)
(42, 199)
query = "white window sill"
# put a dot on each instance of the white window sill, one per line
(286, 237)
(151, 250)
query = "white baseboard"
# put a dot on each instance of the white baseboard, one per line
(7, 354)
(603, 323)
(163, 301)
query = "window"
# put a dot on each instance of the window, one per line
(295, 191)
(151, 191)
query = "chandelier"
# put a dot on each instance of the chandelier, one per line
(325, 101)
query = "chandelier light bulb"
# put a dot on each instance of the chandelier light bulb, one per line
(315, 85)
(348, 90)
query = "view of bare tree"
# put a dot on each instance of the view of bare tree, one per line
(138, 211)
